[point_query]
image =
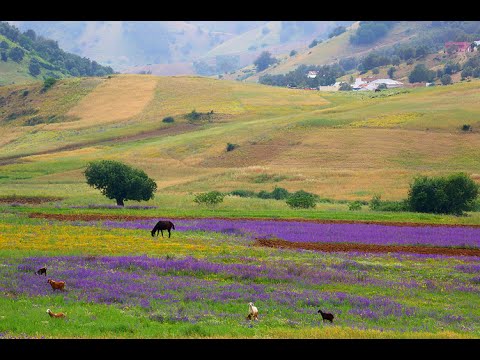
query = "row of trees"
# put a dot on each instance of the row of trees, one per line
(471, 68)
(55, 58)
(451, 194)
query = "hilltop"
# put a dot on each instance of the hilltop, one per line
(340, 145)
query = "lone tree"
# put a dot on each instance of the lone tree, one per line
(119, 181)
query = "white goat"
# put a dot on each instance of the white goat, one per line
(252, 312)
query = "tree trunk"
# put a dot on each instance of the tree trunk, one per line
(120, 202)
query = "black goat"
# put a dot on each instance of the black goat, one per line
(41, 271)
(326, 316)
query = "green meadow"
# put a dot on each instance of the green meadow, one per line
(124, 284)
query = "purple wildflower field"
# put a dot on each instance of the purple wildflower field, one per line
(320, 232)
(145, 281)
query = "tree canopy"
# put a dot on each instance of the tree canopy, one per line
(264, 61)
(119, 181)
(453, 194)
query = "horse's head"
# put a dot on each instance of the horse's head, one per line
(153, 232)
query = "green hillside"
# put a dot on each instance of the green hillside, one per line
(338, 145)
(24, 58)
(12, 72)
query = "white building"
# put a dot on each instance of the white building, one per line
(312, 74)
(391, 84)
(357, 85)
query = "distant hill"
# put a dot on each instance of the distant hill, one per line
(126, 45)
(277, 37)
(26, 57)
(178, 46)
(402, 45)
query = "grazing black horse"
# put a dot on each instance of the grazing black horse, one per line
(163, 225)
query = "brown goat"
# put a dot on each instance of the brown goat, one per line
(42, 271)
(326, 316)
(60, 285)
(56, 315)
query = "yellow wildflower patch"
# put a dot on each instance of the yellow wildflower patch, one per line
(387, 120)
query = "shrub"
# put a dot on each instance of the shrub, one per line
(344, 87)
(379, 205)
(279, 193)
(264, 194)
(393, 206)
(313, 43)
(168, 119)
(16, 54)
(48, 83)
(375, 202)
(243, 193)
(209, 198)
(355, 205)
(194, 115)
(230, 146)
(446, 79)
(443, 195)
(301, 199)
(466, 127)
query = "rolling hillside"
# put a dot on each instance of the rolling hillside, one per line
(338, 47)
(337, 145)
(411, 42)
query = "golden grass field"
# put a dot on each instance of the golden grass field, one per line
(338, 145)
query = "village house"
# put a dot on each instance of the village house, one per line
(458, 46)
(312, 74)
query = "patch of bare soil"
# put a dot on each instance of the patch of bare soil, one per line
(284, 244)
(27, 199)
(367, 248)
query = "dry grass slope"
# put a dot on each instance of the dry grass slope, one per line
(338, 145)
(119, 98)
